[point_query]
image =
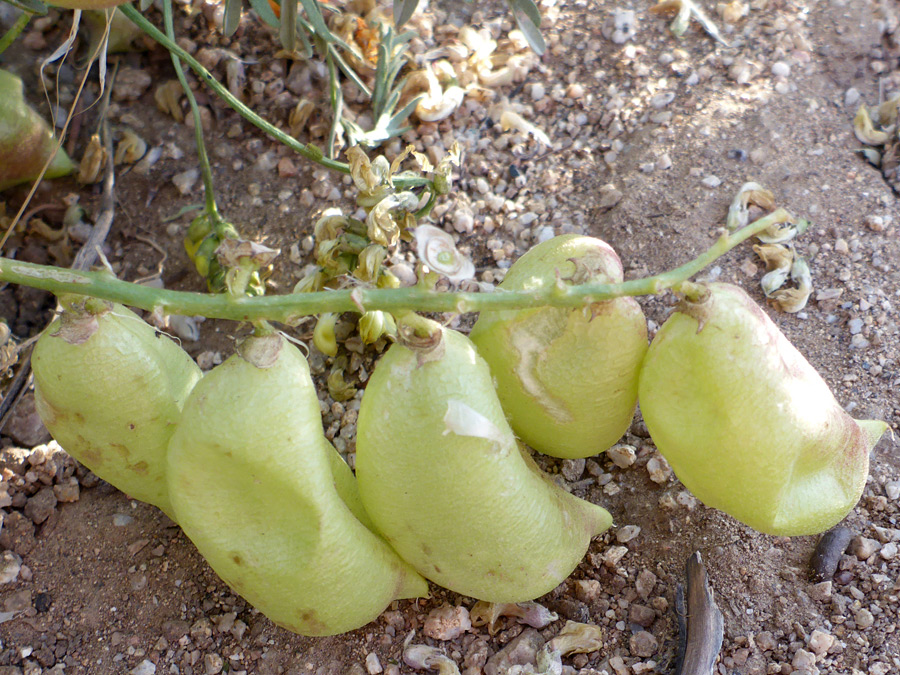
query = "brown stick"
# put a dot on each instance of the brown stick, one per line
(700, 623)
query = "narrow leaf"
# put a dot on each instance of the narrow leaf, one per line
(33, 6)
(528, 19)
(264, 10)
(232, 16)
(528, 8)
(288, 31)
(350, 73)
(403, 10)
(314, 14)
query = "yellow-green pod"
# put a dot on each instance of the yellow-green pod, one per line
(26, 140)
(747, 423)
(567, 377)
(446, 483)
(109, 388)
(271, 505)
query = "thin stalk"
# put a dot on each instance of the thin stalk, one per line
(205, 170)
(337, 101)
(291, 308)
(14, 32)
(308, 151)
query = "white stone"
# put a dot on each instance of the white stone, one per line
(373, 664)
(781, 69)
(622, 455)
(145, 667)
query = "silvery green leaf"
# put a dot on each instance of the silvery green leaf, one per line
(528, 19)
(33, 6)
(403, 10)
(314, 14)
(287, 32)
(232, 16)
(264, 10)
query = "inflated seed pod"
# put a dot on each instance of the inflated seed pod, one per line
(746, 422)
(567, 378)
(446, 483)
(109, 388)
(271, 505)
(26, 140)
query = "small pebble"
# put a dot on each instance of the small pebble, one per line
(864, 618)
(858, 342)
(373, 664)
(643, 644)
(803, 660)
(538, 91)
(613, 555)
(645, 583)
(765, 641)
(821, 592)
(121, 519)
(446, 623)
(855, 326)
(892, 490)
(627, 533)
(184, 182)
(662, 100)
(781, 69)
(622, 455)
(664, 162)
(851, 97)
(820, 642)
(889, 551)
(145, 667)
(213, 664)
(572, 469)
(10, 566)
(712, 181)
(863, 547)
(659, 470)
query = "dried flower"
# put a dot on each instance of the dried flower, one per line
(437, 249)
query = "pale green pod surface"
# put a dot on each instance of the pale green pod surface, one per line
(747, 423)
(567, 378)
(26, 140)
(110, 389)
(446, 483)
(270, 504)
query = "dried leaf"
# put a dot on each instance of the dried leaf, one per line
(93, 161)
(513, 120)
(577, 638)
(130, 149)
(739, 211)
(865, 131)
(685, 10)
(437, 249)
(530, 613)
(168, 99)
(775, 256)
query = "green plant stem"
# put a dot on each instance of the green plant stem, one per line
(292, 307)
(309, 152)
(205, 170)
(337, 102)
(10, 36)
